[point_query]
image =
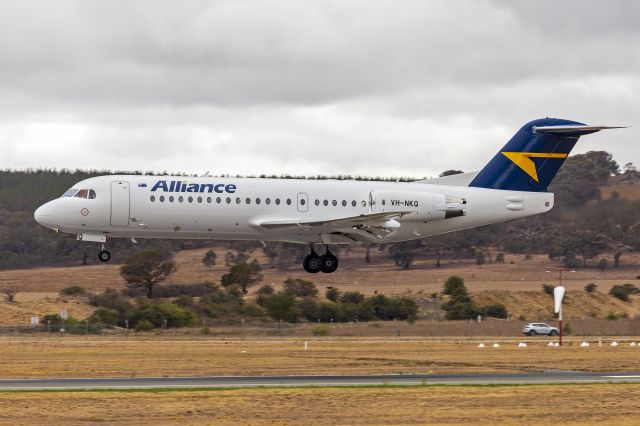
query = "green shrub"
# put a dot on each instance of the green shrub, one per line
(75, 290)
(321, 330)
(300, 288)
(104, 316)
(352, 297)
(591, 287)
(282, 306)
(144, 325)
(623, 292)
(454, 286)
(156, 314)
(495, 310)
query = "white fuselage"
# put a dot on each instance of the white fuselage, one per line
(138, 206)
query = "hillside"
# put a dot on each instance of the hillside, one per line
(517, 283)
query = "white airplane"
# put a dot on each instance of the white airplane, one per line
(511, 186)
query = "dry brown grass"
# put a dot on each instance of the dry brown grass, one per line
(505, 405)
(110, 357)
(354, 274)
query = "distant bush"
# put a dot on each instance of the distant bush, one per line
(454, 286)
(282, 306)
(603, 264)
(104, 316)
(495, 310)
(157, 314)
(321, 330)
(623, 292)
(352, 297)
(500, 258)
(144, 325)
(75, 290)
(163, 291)
(590, 288)
(332, 294)
(548, 289)
(300, 288)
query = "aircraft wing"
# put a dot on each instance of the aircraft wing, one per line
(365, 227)
(382, 220)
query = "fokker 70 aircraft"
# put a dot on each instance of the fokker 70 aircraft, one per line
(512, 185)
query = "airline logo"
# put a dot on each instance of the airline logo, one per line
(525, 162)
(184, 186)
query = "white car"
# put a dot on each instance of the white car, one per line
(535, 328)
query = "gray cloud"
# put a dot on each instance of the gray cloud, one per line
(376, 88)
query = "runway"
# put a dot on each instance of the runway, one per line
(547, 377)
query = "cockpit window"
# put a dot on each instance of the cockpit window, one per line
(70, 193)
(83, 193)
(92, 194)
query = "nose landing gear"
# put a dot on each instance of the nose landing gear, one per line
(314, 263)
(104, 255)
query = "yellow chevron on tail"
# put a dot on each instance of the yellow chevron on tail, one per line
(525, 162)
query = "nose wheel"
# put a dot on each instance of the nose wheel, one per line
(314, 263)
(104, 255)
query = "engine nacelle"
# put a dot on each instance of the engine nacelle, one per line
(423, 206)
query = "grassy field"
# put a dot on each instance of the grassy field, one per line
(110, 357)
(617, 404)
(516, 274)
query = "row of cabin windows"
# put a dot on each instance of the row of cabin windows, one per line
(238, 200)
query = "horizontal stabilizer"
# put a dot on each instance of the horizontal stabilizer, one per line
(572, 130)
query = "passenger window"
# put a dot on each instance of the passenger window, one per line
(199, 199)
(353, 203)
(218, 200)
(364, 203)
(334, 203)
(190, 199)
(267, 201)
(317, 202)
(325, 203)
(248, 200)
(277, 201)
(303, 202)
(153, 198)
(92, 194)
(257, 200)
(171, 199)
(228, 200)
(238, 200)
(83, 193)
(209, 200)
(288, 201)
(162, 198)
(383, 201)
(344, 203)
(181, 198)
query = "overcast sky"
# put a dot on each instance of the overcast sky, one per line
(376, 88)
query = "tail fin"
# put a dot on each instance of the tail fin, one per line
(531, 159)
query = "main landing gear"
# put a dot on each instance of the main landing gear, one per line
(104, 255)
(314, 263)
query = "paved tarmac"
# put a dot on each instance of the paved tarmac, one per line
(547, 377)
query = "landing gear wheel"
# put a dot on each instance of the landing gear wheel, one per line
(311, 263)
(329, 263)
(104, 256)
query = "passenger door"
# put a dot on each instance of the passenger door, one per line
(120, 203)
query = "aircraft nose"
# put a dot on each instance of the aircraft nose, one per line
(43, 215)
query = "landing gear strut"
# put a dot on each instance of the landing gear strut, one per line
(104, 255)
(314, 263)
